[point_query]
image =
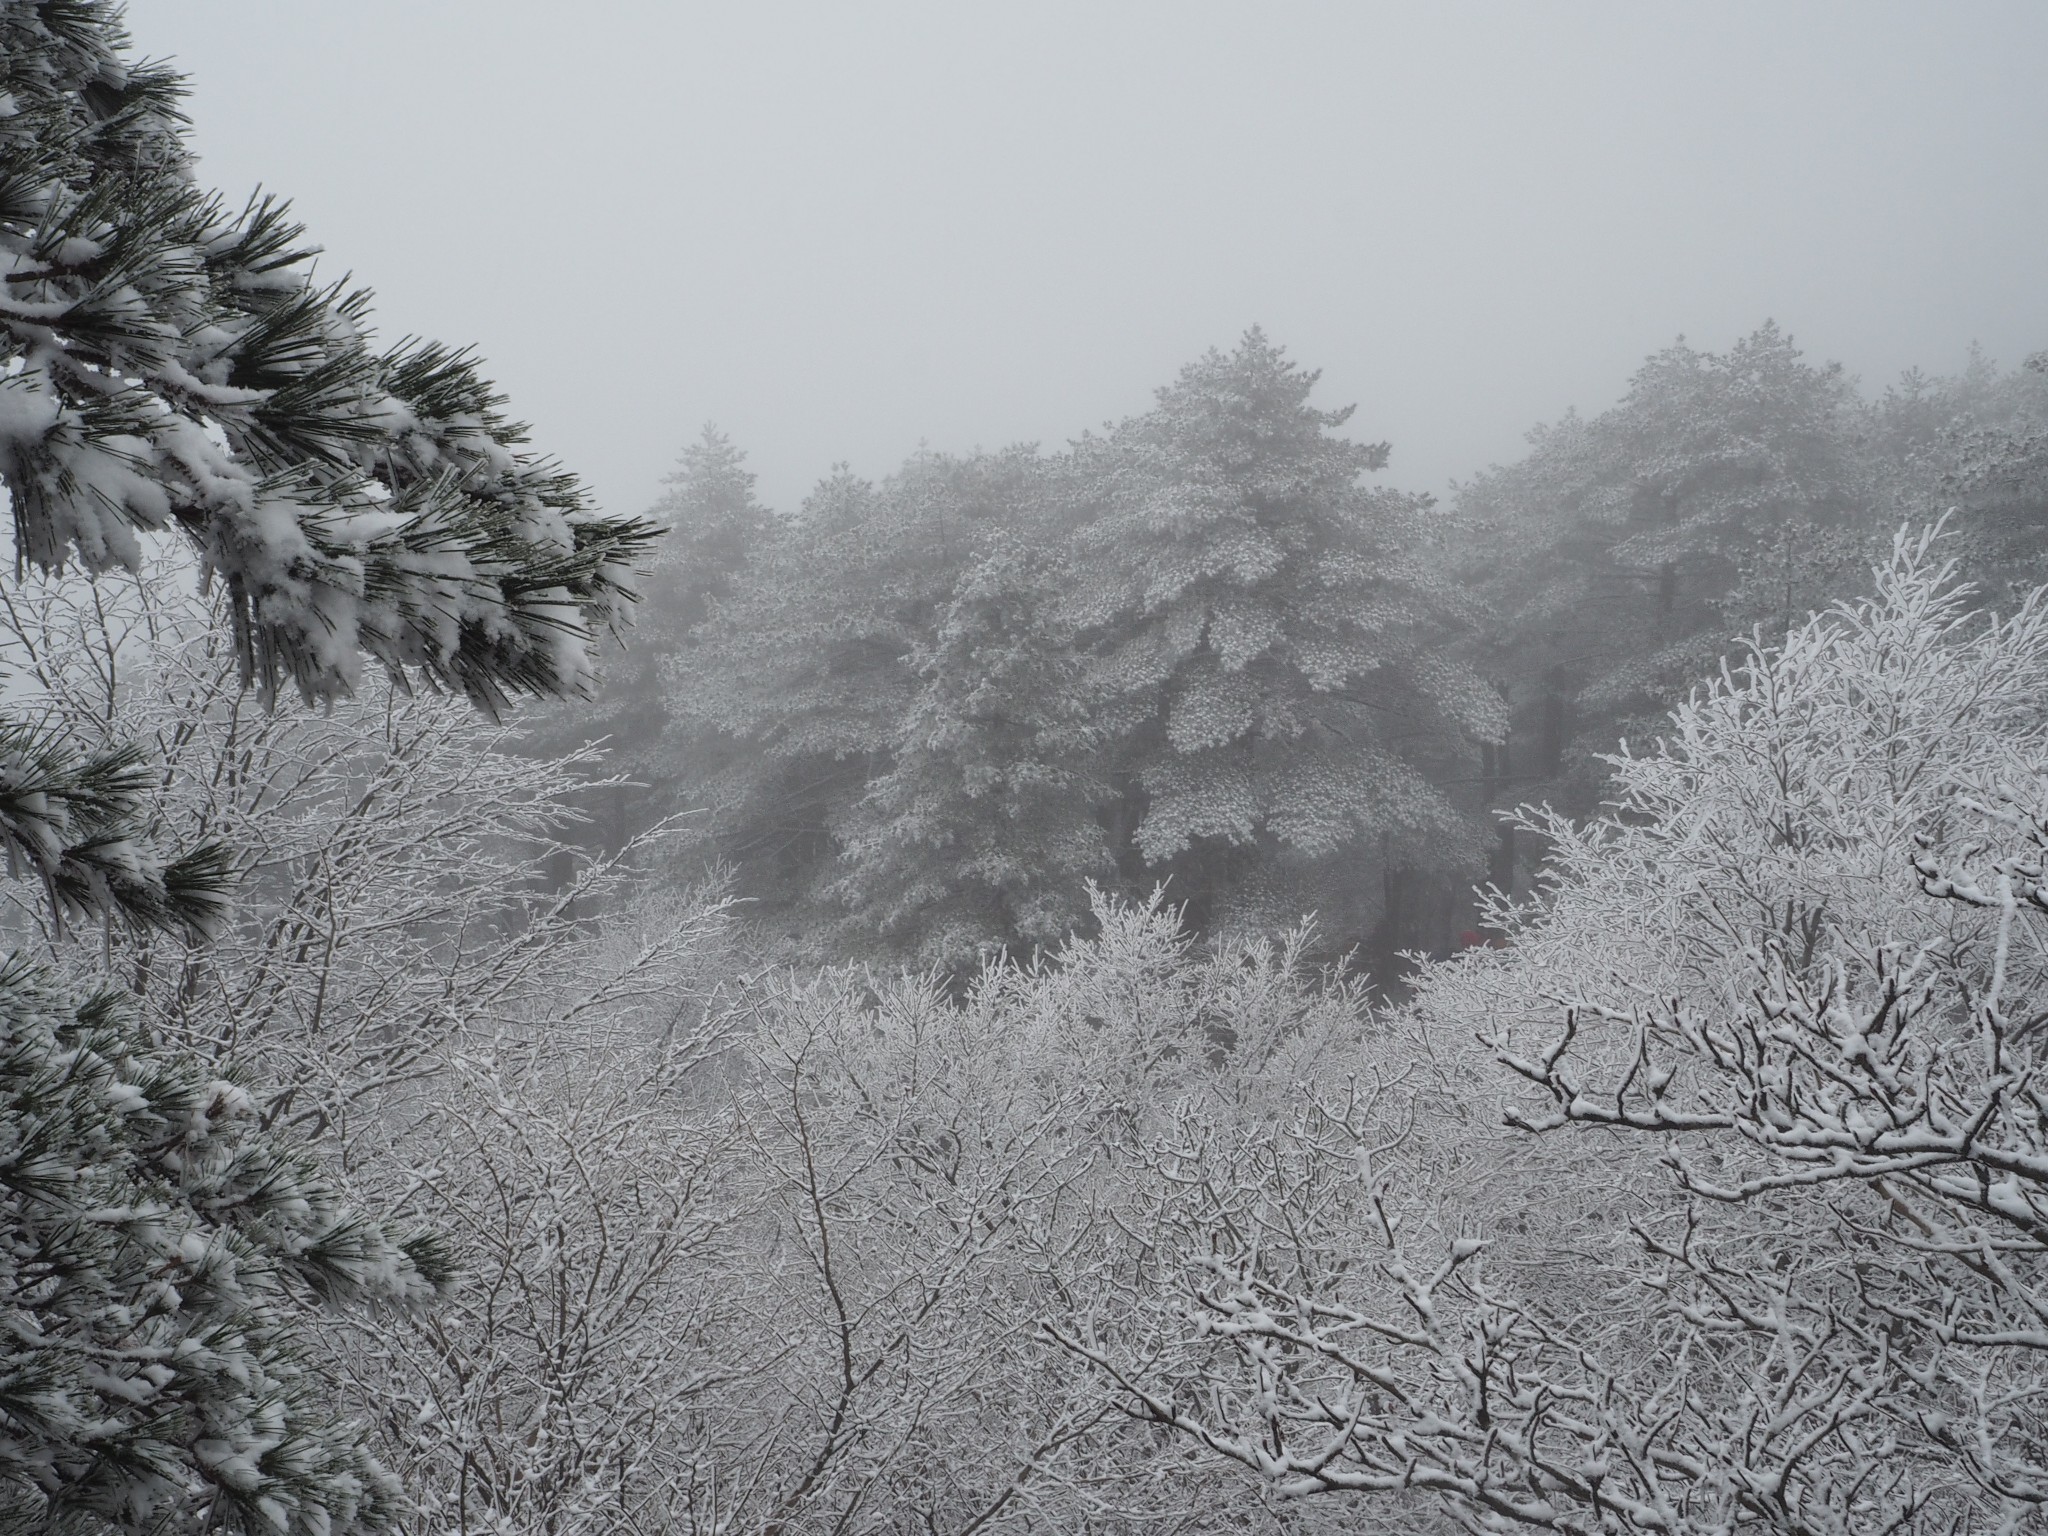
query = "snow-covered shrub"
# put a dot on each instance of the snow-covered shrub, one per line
(580, 1173)
(919, 1178)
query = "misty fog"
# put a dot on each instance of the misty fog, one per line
(792, 769)
(841, 232)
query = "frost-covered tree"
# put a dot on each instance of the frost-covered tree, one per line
(389, 849)
(1620, 556)
(983, 830)
(1778, 1012)
(920, 1176)
(410, 982)
(579, 1165)
(164, 1234)
(1269, 643)
(404, 984)
(808, 665)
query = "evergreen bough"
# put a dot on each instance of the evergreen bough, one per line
(169, 364)
(155, 1244)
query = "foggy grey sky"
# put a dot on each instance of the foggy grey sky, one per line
(839, 229)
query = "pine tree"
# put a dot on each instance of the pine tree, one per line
(715, 526)
(1269, 643)
(1994, 459)
(156, 1243)
(169, 365)
(1198, 648)
(1625, 552)
(982, 834)
(1621, 556)
(808, 669)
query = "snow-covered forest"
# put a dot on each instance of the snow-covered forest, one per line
(1160, 983)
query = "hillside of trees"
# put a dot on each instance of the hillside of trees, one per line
(1207, 650)
(1159, 984)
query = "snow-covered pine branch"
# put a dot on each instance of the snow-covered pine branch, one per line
(169, 363)
(171, 371)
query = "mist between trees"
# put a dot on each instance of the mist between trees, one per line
(1123, 988)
